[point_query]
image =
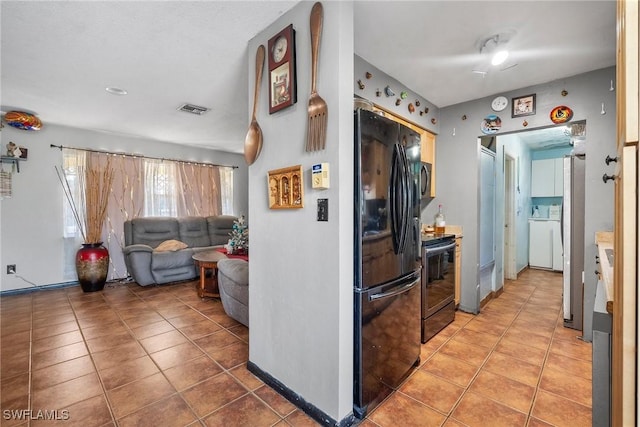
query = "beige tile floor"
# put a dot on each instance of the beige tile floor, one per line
(161, 356)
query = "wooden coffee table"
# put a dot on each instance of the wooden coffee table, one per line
(208, 260)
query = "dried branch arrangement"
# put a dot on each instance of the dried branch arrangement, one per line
(95, 184)
(97, 187)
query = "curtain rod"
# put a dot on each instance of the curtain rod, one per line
(140, 155)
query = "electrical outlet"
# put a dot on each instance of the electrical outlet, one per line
(11, 269)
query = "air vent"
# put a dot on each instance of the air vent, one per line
(193, 109)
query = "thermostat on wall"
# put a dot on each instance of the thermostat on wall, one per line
(320, 175)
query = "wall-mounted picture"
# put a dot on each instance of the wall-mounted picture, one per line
(286, 188)
(523, 106)
(282, 70)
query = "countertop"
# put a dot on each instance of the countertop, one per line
(604, 241)
(456, 230)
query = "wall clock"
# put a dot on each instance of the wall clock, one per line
(499, 103)
(282, 70)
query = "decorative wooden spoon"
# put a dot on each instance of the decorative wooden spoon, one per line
(253, 140)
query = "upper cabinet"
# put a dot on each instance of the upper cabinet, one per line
(547, 178)
(427, 144)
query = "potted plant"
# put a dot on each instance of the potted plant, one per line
(92, 260)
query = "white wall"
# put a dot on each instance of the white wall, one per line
(457, 156)
(301, 299)
(31, 220)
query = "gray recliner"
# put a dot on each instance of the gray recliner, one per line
(233, 283)
(142, 236)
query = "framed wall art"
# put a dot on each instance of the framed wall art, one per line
(523, 106)
(286, 188)
(281, 50)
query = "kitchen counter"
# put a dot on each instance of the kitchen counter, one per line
(604, 241)
(456, 230)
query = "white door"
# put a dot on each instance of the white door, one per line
(509, 219)
(487, 222)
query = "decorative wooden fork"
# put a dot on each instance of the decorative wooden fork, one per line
(317, 130)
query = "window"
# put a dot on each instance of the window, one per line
(226, 190)
(160, 184)
(73, 164)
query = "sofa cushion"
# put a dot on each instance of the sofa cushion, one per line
(171, 245)
(168, 260)
(154, 230)
(194, 231)
(219, 228)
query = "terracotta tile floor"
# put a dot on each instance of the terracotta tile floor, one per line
(161, 356)
(514, 364)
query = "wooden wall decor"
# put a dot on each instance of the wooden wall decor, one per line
(286, 188)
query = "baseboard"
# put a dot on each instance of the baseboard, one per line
(491, 295)
(293, 397)
(522, 270)
(39, 288)
(52, 286)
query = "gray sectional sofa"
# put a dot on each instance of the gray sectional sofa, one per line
(233, 281)
(142, 236)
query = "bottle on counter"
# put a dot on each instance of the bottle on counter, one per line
(439, 221)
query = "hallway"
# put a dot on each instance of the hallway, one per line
(514, 364)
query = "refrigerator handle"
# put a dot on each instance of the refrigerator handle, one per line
(395, 291)
(393, 199)
(418, 238)
(404, 176)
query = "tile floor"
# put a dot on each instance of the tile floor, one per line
(161, 356)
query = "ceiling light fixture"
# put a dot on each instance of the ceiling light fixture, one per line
(116, 91)
(495, 46)
(499, 57)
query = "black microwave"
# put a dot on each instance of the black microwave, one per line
(425, 184)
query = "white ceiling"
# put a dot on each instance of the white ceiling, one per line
(58, 56)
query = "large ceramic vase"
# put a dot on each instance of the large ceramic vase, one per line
(92, 265)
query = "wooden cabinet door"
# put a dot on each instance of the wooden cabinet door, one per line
(458, 270)
(625, 269)
(427, 144)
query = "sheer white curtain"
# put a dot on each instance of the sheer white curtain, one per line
(226, 190)
(160, 183)
(73, 165)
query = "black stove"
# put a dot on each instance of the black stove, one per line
(435, 238)
(438, 283)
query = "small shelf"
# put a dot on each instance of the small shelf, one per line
(15, 160)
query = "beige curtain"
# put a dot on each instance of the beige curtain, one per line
(143, 187)
(200, 190)
(126, 202)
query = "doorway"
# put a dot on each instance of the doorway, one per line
(510, 271)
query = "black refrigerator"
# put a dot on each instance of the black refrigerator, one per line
(387, 257)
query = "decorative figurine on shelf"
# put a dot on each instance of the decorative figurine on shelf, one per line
(239, 241)
(14, 151)
(11, 147)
